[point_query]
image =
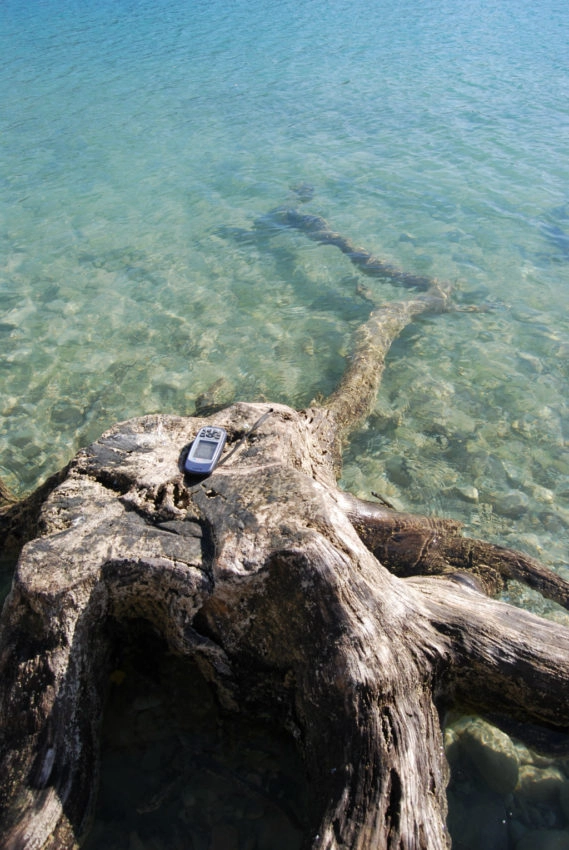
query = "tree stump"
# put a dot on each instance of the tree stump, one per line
(355, 626)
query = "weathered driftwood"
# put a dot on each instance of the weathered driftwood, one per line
(355, 626)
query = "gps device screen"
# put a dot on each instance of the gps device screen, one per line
(205, 450)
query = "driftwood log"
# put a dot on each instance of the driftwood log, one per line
(354, 625)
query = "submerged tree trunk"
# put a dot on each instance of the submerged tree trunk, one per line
(354, 625)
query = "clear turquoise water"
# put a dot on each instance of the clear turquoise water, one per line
(139, 139)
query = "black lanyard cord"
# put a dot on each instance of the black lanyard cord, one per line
(240, 442)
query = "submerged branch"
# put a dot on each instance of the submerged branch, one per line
(411, 544)
(352, 401)
(318, 230)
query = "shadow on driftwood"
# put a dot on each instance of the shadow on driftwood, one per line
(353, 626)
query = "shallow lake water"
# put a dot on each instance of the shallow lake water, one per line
(144, 146)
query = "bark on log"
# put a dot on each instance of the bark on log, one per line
(290, 595)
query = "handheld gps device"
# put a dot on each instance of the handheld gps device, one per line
(205, 451)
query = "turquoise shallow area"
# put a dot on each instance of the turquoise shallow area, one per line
(142, 147)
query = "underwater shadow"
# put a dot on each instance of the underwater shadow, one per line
(178, 773)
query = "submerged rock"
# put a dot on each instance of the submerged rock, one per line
(465, 492)
(493, 754)
(513, 504)
(217, 396)
(398, 470)
(539, 785)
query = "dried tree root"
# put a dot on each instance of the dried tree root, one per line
(411, 544)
